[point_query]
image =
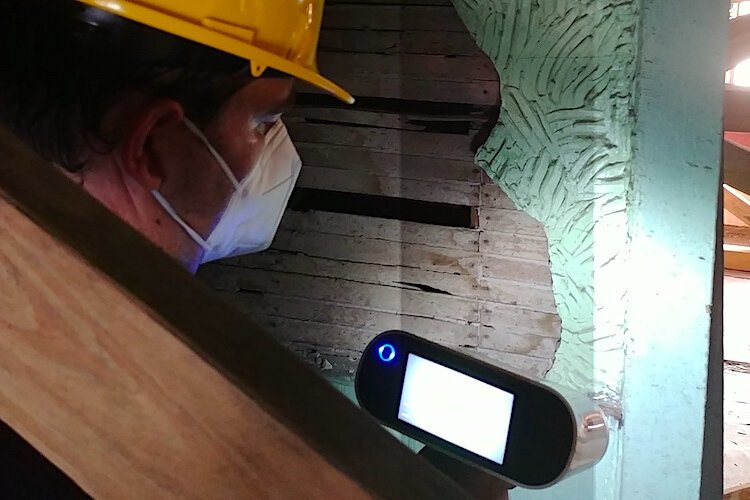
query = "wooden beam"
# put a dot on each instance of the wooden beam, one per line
(139, 382)
(737, 109)
(737, 260)
(736, 166)
(737, 203)
(735, 235)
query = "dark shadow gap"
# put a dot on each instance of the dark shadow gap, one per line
(384, 207)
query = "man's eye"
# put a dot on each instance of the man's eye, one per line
(264, 121)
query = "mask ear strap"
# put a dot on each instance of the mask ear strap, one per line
(227, 171)
(179, 220)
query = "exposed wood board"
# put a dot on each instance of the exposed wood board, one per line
(513, 292)
(737, 261)
(343, 362)
(535, 367)
(275, 306)
(461, 69)
(311, 332)
(363, 295)
(358, 159)
(420, 122)
(324, 334)
(513, 245)
(383, 252)
(510, 221)
(393, 18)
(521, 270)
(534, 346)
(508, 319)
(392, 276)
(399, 42)
(494, 197)
(737, 109)
(383, 229)
(74, 279)
(737, 274)
(731, 220)
(741, 139)
(517, 294)
(737, 203)
(453, 192)
(456, 147)
(736, 166)
(735, 235)
(474, 92)
(500, 338)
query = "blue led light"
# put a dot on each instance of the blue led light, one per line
(387, 352)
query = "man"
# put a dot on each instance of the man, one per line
(168, 132)
(168, 113)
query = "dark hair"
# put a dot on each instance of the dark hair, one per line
(63, 65)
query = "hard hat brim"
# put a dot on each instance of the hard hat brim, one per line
(257, 58)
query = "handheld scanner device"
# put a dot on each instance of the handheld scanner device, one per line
(522, 430)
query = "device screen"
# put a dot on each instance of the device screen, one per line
(463, 410)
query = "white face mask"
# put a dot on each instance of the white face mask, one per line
(254, 212)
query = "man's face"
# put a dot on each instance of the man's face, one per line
(159, 152)
(237, 132)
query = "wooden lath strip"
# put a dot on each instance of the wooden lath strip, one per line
(166, 344)
(735, 235)
(736, 166)
(737, 203)
(737, 260)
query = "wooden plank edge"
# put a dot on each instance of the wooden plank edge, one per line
(741, 492)
(736, 260)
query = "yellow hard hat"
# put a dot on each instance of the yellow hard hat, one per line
(278, 34)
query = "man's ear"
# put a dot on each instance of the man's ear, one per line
(156, 120)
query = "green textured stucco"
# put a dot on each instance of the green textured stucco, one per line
(610, 133)
(562, 152)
